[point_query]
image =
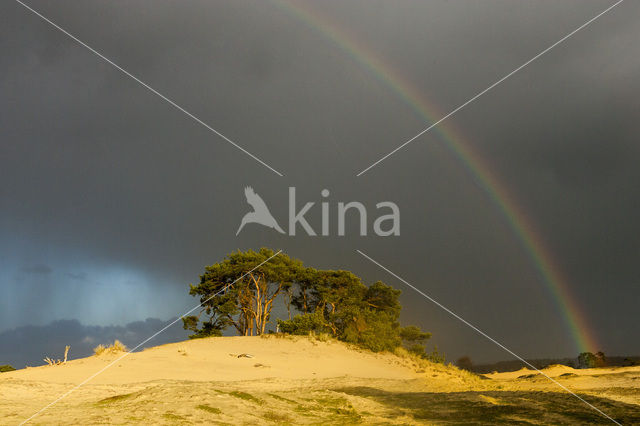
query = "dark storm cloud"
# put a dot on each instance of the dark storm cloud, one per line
(79, 276)
(28, 345)
(126, 199)
(36, 269)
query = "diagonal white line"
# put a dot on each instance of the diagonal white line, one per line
(490, 87)
(145, 85)
(482, 333)
(64, 395)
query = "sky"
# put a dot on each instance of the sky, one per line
(112, 201)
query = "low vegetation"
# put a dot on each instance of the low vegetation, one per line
(114, 348)
(490, 408)
(116, 398)
(5, 368)
(209, 409)
(246, 396)
(277, 417)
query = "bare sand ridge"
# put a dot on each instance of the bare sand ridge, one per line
(302, 380)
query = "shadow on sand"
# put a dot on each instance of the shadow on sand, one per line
(499, 407)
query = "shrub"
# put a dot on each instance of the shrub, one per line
(304, 324)
(586, 360)
(413, 340)
(116, 347)
(436, 356)
(5, 368)
(354, 313)
(417, 349)
(464, 363)
(373, 330)
(321, 337)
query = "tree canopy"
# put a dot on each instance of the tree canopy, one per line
(591, 360)
(240, 291)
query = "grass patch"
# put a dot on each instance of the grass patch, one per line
(281, 398)
(276, 417)
(172, 416)
(209, 409)
(331, 409)
(528, 376)
(115, 348)
(116, 398)
(321, 337)
(246, 397)
(277, 336)
(345, 411)
(341, 409)
(332, 402)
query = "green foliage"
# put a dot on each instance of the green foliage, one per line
(586, 360)
(5, 368)
(590, 360)
(239, 292)
(373, 330)
(413, 334)
(209, 328)
(383, 298)
(349, 310)
(413, 340)
(304, 324)
(417, 349)
(233, 293)
(435, 356)
(338, 302)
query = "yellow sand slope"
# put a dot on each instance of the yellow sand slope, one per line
(301, 380)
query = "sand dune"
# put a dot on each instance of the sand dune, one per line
(302, 380)
(216, 359)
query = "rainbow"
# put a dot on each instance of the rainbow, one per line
(520, 224)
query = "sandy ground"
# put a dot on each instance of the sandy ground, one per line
(301, 380)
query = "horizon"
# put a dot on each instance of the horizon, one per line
(88, 336)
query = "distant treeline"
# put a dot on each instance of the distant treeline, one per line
(514, 365)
